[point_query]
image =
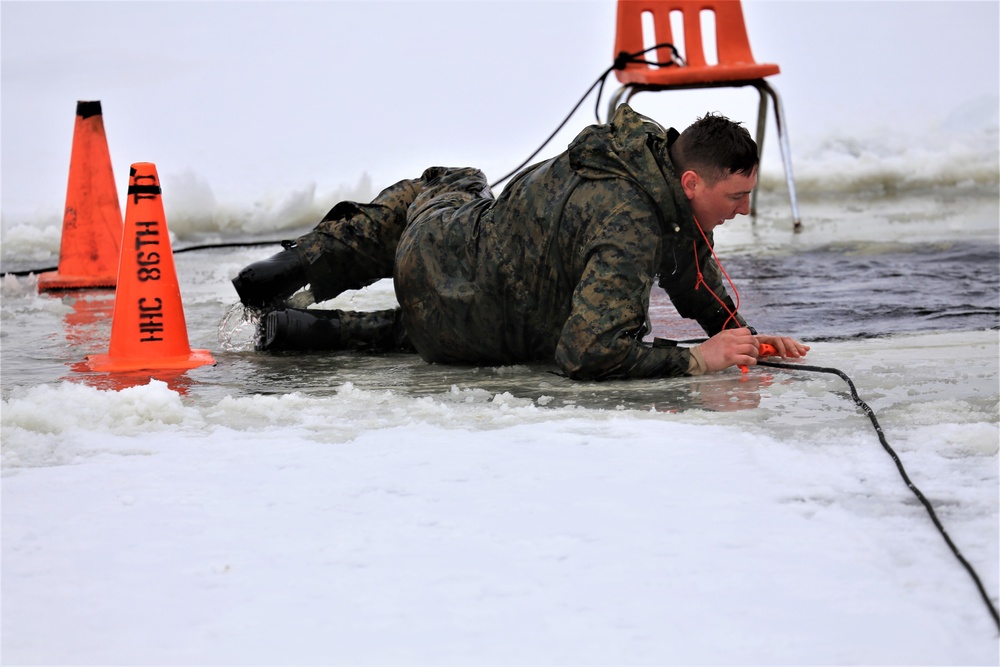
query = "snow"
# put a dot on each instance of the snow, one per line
(370, 527)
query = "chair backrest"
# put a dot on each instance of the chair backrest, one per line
(732, 43)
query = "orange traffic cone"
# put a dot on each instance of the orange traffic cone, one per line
(92, 223)
(148, 330)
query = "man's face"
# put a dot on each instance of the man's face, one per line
(721, 201)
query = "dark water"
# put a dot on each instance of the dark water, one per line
(867, 290)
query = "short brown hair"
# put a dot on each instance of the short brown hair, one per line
(715, 147)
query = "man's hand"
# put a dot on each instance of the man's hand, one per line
(788, 348)
(729, 348)
(734, 347)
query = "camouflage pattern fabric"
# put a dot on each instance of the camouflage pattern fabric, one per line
(559, 267)
(355, 244)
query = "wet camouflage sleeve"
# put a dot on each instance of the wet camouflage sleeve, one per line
(618, 253)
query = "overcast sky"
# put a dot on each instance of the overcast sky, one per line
(273, 95)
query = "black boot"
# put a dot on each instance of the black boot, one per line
(374, 331)
(291, 329)
(267, 283)
(300, 331)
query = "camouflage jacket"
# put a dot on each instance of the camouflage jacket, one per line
(560, 266)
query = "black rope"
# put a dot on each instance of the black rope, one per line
(206, 246)
(234, 244)
(621, 61)
(899, 465)
(28, 272)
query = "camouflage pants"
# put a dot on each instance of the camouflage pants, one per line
(356, 245)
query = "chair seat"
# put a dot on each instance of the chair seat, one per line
(680, 76)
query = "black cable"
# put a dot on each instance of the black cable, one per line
(28, 272)
(899, 465)
(206, 246)
(621, 61)
(233, 244)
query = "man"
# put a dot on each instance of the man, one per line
(559, 267)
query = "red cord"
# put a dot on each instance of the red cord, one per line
(701, 278)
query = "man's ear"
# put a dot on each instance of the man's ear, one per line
(690, 182)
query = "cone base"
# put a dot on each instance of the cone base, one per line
(53, 280)
(104, 362)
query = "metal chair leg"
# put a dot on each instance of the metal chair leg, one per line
(761, 124)
(786, 152)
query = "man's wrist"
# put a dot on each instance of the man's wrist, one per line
(697, 365)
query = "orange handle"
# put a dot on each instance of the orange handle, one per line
(766, 350)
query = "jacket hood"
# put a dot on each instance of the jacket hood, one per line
(635, 148)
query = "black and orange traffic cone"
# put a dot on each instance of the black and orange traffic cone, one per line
(92, 222)
(148, 330)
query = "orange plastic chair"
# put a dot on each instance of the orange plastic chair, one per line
(734, 66)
